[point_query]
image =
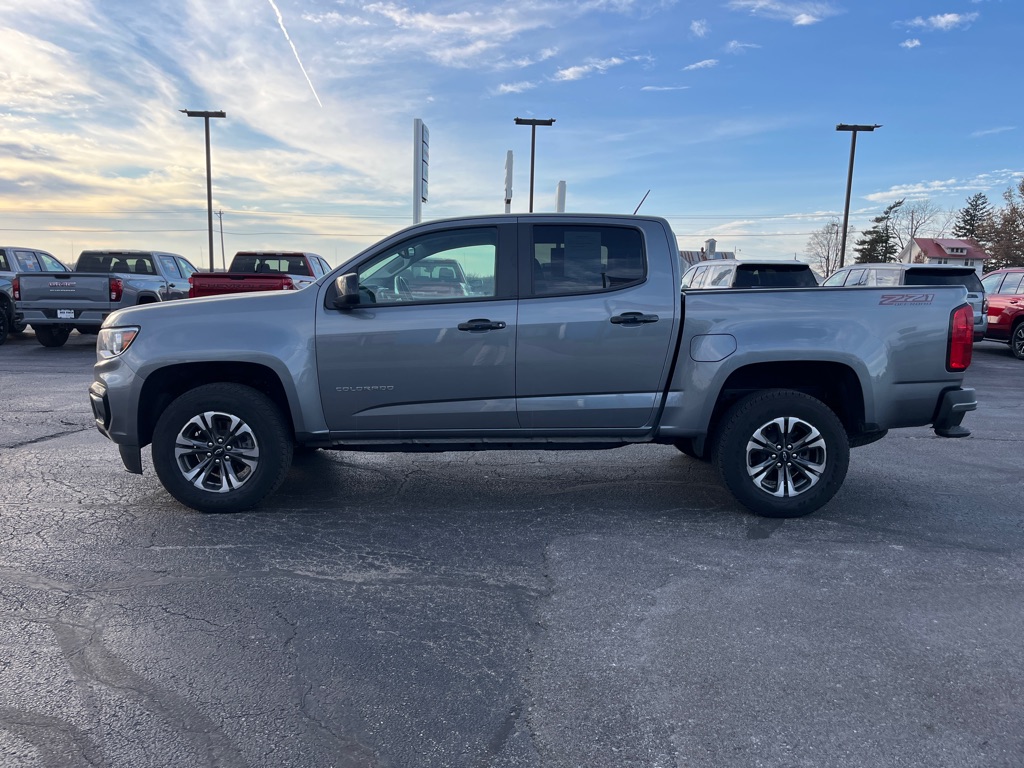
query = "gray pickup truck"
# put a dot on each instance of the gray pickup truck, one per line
(579, 337)
(54, 303)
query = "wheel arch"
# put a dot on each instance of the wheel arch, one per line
(165, 384)
(835, 384)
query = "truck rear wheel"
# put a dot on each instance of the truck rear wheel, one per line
(5, 324)
(221, 448)
(52, 336)
(782, 453)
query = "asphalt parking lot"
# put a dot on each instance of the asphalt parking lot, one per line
(611, 608)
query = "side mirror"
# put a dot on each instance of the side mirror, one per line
(347, 287)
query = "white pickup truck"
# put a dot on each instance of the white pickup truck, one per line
(576, 336)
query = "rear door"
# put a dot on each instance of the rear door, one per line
(419, 363)
(596, 326)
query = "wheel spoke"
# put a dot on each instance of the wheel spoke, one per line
(786, 456)
(216, 452)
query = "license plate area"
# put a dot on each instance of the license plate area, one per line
(65, 314)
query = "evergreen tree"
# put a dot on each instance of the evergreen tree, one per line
(973, 221)
(878, 243)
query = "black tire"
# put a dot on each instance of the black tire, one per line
(52, 336)
(5, 324)
(237, 473)
(685, 446)
(771, 475)
(17, 327)
(1017, 341)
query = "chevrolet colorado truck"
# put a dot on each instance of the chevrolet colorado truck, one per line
(260, 271)
(55, 303)
(578, 337)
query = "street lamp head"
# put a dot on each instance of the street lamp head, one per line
(844, 127)
(526, 121)
(200, 113)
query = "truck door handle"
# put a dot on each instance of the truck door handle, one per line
(634, 318)
(482, 324)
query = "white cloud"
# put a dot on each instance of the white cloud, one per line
(984, 182)
(735, 46)
(943, 22)
(519, 87)
(798, 13)
(578, 72)
(665, 88)
(992, 131)
(705, 64)
(913, 42)
(699, 28)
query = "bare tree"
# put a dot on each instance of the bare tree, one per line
(917, 218)
(823, 246)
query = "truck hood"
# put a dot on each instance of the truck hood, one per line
(214, 307)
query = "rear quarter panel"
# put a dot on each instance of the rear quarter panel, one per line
(894, 341)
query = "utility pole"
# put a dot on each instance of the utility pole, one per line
(223, 263)
(853, 129)
(533, 145)
(209, 183)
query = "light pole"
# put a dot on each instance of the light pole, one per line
(533, 145)
(209, 184)
(853, 129)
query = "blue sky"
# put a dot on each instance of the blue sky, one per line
(724, 109)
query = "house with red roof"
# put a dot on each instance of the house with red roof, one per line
(926, 250)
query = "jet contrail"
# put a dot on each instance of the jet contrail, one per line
(280, 22)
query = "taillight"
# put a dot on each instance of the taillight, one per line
(16, 289)
(116, 288)
(289, 285)
(961, 339)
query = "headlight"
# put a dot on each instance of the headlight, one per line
(111, 342)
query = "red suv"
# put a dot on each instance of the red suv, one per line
(1005, 291)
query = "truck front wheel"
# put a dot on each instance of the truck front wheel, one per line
(1017, 340)
(782, 453)
(221, 448)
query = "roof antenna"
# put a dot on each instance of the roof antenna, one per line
(641, 202)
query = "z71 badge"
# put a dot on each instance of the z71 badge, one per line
(900, 299)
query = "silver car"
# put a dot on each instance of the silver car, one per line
(896, 274)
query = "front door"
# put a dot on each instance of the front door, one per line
(430, 350)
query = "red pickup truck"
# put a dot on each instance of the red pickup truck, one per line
(260, 271)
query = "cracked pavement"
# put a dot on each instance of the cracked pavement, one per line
(610, 608)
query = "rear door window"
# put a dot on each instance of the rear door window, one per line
(573, 259)
(26, 261)
(718, 277)
(1013, 283)
(835, 280)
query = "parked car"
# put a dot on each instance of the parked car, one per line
(260, 271)
(1004, 290)
(101, 282)
(13, 260)
(736, 273)
(897, 274)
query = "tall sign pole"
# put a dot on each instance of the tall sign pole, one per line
(420, 167)
(508, 181)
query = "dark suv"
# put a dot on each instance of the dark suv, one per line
(1005, 291)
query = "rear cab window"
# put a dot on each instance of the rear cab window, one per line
(966, 277)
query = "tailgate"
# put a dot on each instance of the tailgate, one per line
(228, 282)
(71, 290)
